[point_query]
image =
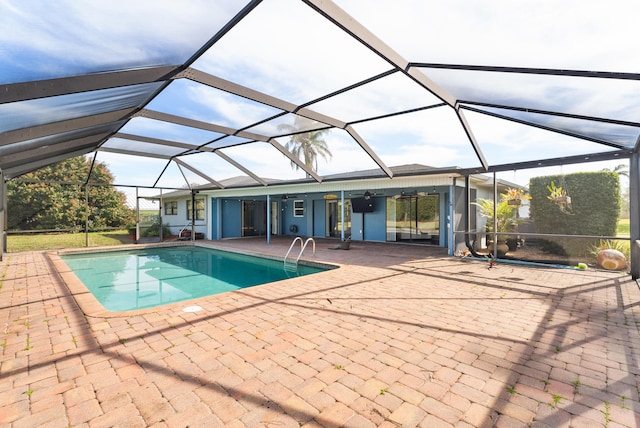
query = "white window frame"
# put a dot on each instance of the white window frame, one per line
(199, 211)
(173, 205)
(298, 208)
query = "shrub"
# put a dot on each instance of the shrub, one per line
(594, 210)
(610, 244)
(154, 230)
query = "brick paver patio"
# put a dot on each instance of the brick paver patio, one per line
(398, 336)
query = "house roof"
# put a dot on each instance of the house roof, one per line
(168, 93)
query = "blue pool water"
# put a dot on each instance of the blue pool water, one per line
(126, 280)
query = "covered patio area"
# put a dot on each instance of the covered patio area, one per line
(399, 335)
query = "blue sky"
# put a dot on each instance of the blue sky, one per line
(285, 49)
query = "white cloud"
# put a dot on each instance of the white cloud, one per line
(571, 34)
(101, 36)
(284, 48)
(226, 109)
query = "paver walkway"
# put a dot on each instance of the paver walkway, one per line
(398, 336)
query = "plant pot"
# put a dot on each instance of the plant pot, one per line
(502, 248)
(515, 202)
(611, 259)
(512, 243)
(345, 245)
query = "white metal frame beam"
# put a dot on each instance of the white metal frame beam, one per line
(32, 166)
(179, 120)
(295, 160)
(90, 82)
(240, 167)
(39, 153)
(347, 23)
(200, 173)
(33, 132)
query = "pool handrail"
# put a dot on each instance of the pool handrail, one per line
(302, 248)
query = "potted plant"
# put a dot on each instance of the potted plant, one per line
(559, 196)
(610, 254)
(515, 196)
(506, 219)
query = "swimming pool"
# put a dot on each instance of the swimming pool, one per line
(150, 277)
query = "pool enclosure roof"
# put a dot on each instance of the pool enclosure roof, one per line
(170, 92)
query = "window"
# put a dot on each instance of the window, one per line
(298, 208)
(171, 208)
(199, 209)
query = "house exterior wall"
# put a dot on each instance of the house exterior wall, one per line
(224, 208)
(224, 217)
(319, 218)
(214, 220)
(178, 221)
(231, 218)
(371, 226)
(459, 218)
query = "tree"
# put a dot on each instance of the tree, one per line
(306, 146)
(42, 200)
(621, 169)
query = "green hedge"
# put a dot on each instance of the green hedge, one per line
(594, 209)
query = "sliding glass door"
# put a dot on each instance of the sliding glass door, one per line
(334, 219)
(254, 218)
(414, 218)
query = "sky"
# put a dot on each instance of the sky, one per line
(284, 49)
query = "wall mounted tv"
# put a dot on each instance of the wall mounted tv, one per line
(362, 205)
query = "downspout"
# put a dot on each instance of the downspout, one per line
(467, 214)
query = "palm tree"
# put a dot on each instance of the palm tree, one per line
(306, 146)
(621, 169)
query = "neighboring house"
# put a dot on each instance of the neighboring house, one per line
(417, 209)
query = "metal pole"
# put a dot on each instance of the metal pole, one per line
(3, 215)
(137, 217)
(86, 215)
(634, 213)
(193, 215)
(495, 216)
(160, 216)
(268, 219)
(467, 214)
(342, 215)
(451, 219)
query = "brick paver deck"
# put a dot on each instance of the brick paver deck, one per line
(398, 336)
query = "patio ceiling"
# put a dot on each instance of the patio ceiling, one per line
(171, 92)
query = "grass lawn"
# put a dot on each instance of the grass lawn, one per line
(623, 228)
(36, 242)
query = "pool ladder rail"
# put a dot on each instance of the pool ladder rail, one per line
(294, 265)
